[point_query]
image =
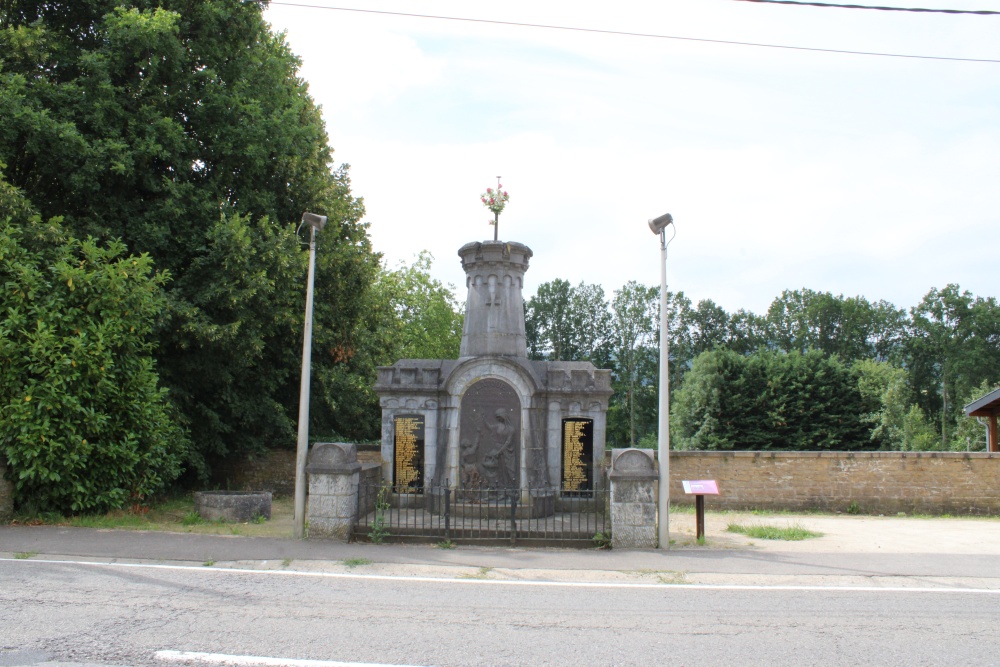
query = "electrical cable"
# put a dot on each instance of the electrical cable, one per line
(638, 34)
(981, 12)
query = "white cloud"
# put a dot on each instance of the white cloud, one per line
(783, 169)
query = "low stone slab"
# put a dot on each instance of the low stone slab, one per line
(234, 506)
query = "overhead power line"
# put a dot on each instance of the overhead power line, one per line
(637, 34)
(981, 12)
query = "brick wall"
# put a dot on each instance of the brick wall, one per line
(877, 482)
(274, 471)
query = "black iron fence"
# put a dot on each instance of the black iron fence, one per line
(497, 516)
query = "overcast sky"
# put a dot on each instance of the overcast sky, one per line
(782, 168)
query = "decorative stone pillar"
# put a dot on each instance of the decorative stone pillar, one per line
(334, 472)
(633, 499)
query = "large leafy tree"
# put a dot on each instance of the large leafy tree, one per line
(953, 347)
(851, 327)
(182, 128)
(566, 323)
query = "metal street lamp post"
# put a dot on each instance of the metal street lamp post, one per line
(315, 223)
(659, 226)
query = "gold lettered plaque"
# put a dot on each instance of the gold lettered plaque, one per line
(577, 456)
(408, 464)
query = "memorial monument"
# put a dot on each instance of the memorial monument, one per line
(493, 422)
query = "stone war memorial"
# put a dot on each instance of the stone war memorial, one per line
(493, 423)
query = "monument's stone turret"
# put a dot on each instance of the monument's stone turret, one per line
(494, 421)
(494, 308)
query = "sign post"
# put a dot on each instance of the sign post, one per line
(700, 488)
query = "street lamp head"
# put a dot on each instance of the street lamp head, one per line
(661, 223)
(313, 220)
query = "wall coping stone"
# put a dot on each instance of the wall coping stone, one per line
(835, 455)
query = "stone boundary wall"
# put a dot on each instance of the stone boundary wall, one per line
(273, 471)
(6, 493)
(876, 482)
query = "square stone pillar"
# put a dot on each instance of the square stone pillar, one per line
(334, 473)
(633, 499)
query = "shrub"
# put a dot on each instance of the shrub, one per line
(83, 422)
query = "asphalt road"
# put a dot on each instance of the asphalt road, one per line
(125, 614)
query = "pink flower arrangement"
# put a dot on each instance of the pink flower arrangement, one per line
(495, 200)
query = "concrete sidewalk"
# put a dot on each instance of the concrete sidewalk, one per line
(854, 550)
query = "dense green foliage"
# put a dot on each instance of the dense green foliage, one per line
(771, 401)
(84, 424)
(182, 128)
(817, 371)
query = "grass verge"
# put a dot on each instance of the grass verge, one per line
(791, 532)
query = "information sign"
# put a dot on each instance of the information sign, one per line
(701, 487)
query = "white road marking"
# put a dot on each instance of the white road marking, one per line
(253, 661)
(504, 582)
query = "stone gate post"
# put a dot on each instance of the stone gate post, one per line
(334, 474)
(633, 499)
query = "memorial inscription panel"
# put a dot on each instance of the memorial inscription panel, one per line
(408, 466)
(577, 456)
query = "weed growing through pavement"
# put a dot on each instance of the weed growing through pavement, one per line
(354, 562)
(445, 544)
(482, 573)
(602, 540)
(209, 563)
(25, 555)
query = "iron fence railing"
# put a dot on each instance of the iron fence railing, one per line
(499, 516)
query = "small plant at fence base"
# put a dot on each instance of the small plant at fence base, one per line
(602, 540)
(379, 529)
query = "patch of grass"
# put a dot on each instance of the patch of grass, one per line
(672, 577)
(25, 555)
(191, 519)
(258, 519)
(853, 508)
(482, 573)
(354, 562)
(701, 541)
(791, 532)
(209, 563)
(445, 544)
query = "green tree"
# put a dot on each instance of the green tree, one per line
(182, 128)
(897, 423)
(953, 347)
(634, 322)
(566, 323)
(428, 317)
(850, 327)
(84, 424)
(771, 400)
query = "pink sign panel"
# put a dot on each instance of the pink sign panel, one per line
(701, 487)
